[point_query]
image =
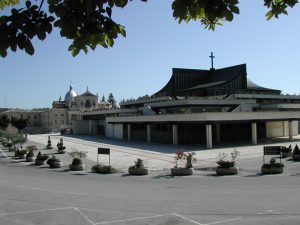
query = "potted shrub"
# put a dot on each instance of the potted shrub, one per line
(49, 144)
(40, 159)
(183, 158)
(54, 162)
(22, 153)
(226, 164)
(272, 167)
(138, 168)
(18, 139)
(286, 151)
(30, 156)
(77, 163)
(296, 154)
(103, 169)
(60, 146)
(30, 153)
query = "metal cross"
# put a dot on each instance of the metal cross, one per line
(212, 59)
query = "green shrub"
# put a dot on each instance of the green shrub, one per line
(225, 161)
(296, 150)
(22, 152)
(31, 148)
(41, 157)
(30, 154)
(52, 160)
(76, 162)
(103, 169)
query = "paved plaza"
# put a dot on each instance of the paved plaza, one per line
(39, 195)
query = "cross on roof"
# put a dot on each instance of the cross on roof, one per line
(212, 60)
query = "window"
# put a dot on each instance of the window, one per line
(35, 117)
(88, 104)
(62, 121)
(61, 114)
(55, 114)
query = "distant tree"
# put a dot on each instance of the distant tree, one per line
(103, 99)
(19, 123)
(4, 122)
(112, 100)
(89, 23)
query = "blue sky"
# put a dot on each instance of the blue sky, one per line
(142, 62)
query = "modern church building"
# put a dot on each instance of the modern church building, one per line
(196, 107)
(204, 107)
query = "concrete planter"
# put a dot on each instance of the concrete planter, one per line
(30, 159)
(137, 171)
(79, 167)
(271, 170)
(296, 157)
(54, 165)
(227, 171)
(182, 171)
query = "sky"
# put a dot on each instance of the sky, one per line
(142, 62)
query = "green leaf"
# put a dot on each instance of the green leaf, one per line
(3, 52)
(28, 4)
(29, 48)
(234, 9)
(122, 31)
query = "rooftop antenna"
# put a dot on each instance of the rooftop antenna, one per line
(212, 60)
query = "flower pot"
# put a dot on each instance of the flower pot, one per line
(30, 159)
(78, 167)
(137, 171)
(271, 170)
(227, 171)
(296, 157)
(55, 165)
(39, 162)
(182, 171)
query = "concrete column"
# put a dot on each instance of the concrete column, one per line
(218, 137)
(254, 133)
(175, 134)
(290, 130)
(285, 131)
(129, 132)
(91, 127)
(149, 133)
(208, 136)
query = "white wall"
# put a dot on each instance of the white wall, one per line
(280, 128)
(109, 130)
(118, 131)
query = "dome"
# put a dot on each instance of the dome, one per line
(71, 94)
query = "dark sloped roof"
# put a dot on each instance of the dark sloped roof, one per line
(191, 79)
(253, 86)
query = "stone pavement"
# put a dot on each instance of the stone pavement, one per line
(157, 157)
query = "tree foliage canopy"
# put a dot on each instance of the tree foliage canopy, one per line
(4, 122)
(89, 23)
(19, 123)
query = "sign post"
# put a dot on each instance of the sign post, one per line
(272, 150)
(103, 151)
